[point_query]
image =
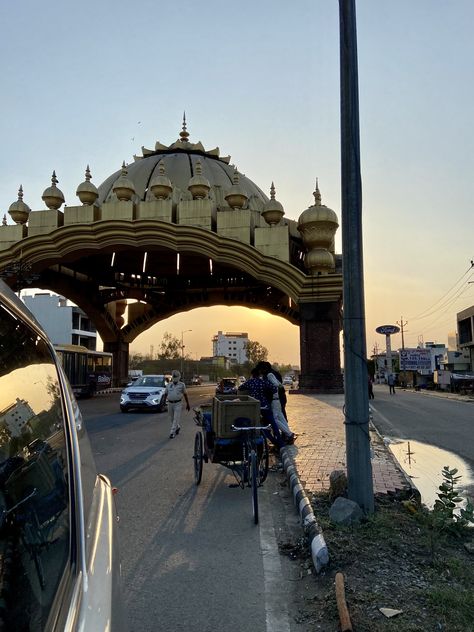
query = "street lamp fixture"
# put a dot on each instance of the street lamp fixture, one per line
(182, 351)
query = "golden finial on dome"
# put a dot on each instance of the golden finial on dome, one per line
(184, 134)
(86, 191)
(318, 225)
(160, 185)
(52, 196)
(124, 188)
(236, 196)
(19, 211)
(317, 195)
(273, 209)
(199, 186)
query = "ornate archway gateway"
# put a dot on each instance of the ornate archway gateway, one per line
(177, 229)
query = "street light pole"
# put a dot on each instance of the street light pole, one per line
(182, 351)
(359, 466)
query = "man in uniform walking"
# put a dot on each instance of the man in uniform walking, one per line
(175, 391)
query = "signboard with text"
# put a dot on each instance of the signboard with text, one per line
(415, 359)
(388, 330)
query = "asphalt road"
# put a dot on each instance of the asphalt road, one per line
(426, 433)
(445, 423)
(192, 558)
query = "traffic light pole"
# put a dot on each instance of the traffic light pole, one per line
(359, 467)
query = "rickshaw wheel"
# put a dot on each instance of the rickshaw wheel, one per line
(263, 463)
(198, 458)
(253, 475)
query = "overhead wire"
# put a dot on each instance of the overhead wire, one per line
(430, 311)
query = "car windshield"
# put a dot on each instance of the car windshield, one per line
(228, 382)
(150, 380)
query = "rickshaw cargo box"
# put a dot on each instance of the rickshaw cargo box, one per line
(227, 408)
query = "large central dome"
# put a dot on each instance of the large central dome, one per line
(179, 160)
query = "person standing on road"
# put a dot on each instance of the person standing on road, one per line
(175, 391)
(391, 383)
(371, 389)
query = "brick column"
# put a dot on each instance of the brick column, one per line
(119, 348)
(320, 326)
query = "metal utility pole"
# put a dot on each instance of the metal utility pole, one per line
(402, 325)
(359, 466)
(182, 352)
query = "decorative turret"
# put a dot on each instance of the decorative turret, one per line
(236, 196)
(86, 191)
(160, 185)
(124, 188)
(273, 210)
(199, 186)
(18, 211)
(4, 220)
(184, 134)
(52, 196)
(318, 225)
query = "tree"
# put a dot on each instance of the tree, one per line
(255, 352)
(170, 347)
(135, 360)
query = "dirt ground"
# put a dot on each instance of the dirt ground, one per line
(391, 560)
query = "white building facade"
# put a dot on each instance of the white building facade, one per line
(63, 322)
(231, 345)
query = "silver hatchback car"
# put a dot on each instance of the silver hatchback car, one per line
(59, 564)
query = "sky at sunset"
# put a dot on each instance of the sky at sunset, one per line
(91, 82)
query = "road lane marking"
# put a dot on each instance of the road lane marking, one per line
(276, 607)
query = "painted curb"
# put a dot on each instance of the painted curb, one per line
(318, 548)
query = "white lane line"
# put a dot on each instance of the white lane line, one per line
(276, 607)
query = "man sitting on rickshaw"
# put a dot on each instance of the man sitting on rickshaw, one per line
(262, 389)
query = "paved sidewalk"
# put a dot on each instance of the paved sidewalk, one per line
(320, 448)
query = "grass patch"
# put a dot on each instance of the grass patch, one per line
(389, 561)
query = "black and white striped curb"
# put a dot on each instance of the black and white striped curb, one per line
(318, 548)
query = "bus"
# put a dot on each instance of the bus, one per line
(88, 371)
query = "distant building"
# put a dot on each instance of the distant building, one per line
(438, 351)
(63, 322)
(456, 361)
(465, 320)
(16, 417)
(452, 341)
(381, 365)
(231, 345)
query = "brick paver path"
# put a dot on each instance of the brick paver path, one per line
(321, 445)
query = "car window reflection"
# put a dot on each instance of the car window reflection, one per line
(34, 497)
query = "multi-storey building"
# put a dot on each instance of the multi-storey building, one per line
(63, 322)
(465, 320)
(231, 345)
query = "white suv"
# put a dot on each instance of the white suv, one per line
(146, 393)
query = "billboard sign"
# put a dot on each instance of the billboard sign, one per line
(415, 359)
(388, 329)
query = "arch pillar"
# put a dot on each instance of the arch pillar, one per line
(320, 326)
(119, 349)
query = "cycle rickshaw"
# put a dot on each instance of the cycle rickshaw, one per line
(231, 434)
